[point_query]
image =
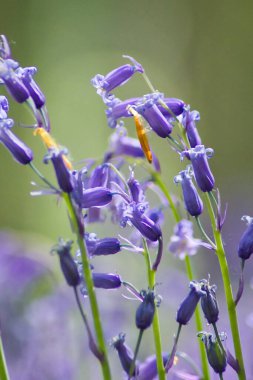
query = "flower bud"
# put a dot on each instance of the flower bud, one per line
(26, 75)
(215, 353)
(145, 225)
(201, 169)
(67, 263)
(146, 311)
(245, 248)
(106, 246)
(192, 200)
(209, 303)
(13, 84)
(189, 304)
(189, 123)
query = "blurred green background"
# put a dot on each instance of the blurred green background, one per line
(199, 51)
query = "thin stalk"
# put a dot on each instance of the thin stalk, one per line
(90, 289)
(221, 376)
(41, 176)
(204, 233)
(189, 271)
(218, 337)
(170, 362)
(156, 325)
(137, 347)
(231, 306)
(4, 375)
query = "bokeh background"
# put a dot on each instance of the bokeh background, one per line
(196, 50)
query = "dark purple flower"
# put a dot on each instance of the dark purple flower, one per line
(189, 122)
(106, 246)
(183, 243)
(202, 172)
(26, 75)
(145, 311)
(116, 78)
(20, 152)
(209, 303)
(96, 197)
(13, 84)
(189, 304)
(192, 200)
(99, 176)
(245, 247)
(125, 353)
(135, 188)
(157, 121)
(68, 265)
(216, 354)
(64, 176)
(106, 280)
(5, 51)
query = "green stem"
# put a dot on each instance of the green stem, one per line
(189, 271)
(90, 288)
(204, 233)
(228, 290)
(156, 325)
(218, 337)
(220, 375)
(137, 347)
(4, 375)
(170, 362)
(41, 176)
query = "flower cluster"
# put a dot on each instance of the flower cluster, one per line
(102, 191)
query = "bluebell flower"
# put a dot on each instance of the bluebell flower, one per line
(199, 159)
(99, 176)
(135, 188)
(26, 75)
(121, 144)
(106, 280)
(19, 150)
(148, 369)
(175, 105)
(5, 51)
(216, 354)
(145, 311)
(245, 247)
(189, 122)
(183, 243)
(125, 353)
(189, 304)
(96, 197)
(209, 302)
(153, 115)
(4, 107)
(116, 78)
(106, 246)
(192, 200)
(63, 174)
(67, 263)
(118, 109)
(12, 82)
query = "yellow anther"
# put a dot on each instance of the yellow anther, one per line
(141, 133)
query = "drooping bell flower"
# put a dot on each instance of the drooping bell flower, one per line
(106, 280)
(175, 105)
(26, 75)
(63, 174)
(96, 197)
(12, 82)
(67, 263)
(145, 311)
(106, 246)
(209, 302)
(117, 77)
(154, 117)
(202, 172)
(19, 150)
(245, 247)
(118, 109)
(189, 122)
(192, 200)
(4, 107)
(145, 225)
(125, 354)
(189, 304)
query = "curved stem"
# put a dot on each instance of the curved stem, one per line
(41, 176)
(156, 325)
(4, 375)
(204, 233)
(228, 290)
(90, 288)
(189, 271)
(169, 363)
(137, 347)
